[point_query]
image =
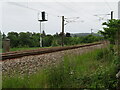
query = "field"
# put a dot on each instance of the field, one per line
(96, 69)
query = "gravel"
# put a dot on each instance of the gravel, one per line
(32, 64)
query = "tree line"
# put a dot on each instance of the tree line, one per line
(29, 39)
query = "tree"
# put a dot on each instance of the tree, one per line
(35, 39)
(25, 39)
(47, 40)
(14, 39)
(110, 31)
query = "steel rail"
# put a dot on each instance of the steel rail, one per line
(18, 54)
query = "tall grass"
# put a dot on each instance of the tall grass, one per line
(91, 70)
(95, 69)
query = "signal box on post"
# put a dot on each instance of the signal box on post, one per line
(43, 17)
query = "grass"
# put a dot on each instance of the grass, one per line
(25, 48)
(31, 48)
(95, 69)
(85, 71)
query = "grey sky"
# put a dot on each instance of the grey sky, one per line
(20, 19)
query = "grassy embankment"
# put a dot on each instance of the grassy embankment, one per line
(25, 48)
(31, 48)
(96, 69)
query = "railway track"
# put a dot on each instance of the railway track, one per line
(18, 54)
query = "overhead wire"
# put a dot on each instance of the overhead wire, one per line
(74, 11)
(37, 9)
(27, 7)
(87, 17)
(91, 13)
(14, 3)
(41, 11)
(59, 3)
(108, 4)
(23, 6)
(70, 10)
(85, 14)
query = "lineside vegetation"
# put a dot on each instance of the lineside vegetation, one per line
(95, 69)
